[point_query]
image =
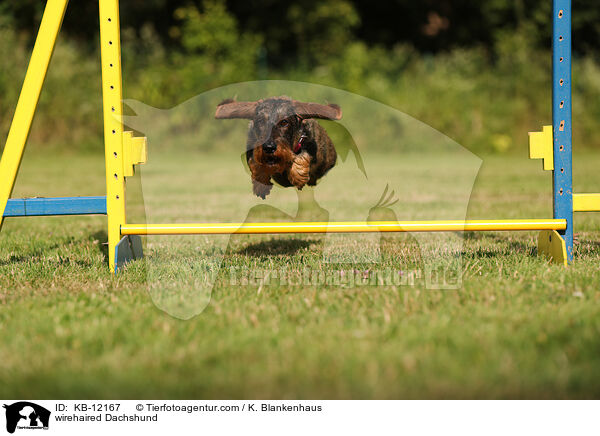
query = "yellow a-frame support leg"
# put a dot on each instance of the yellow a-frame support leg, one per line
(28, 100)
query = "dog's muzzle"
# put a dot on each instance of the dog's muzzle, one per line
(269, 147)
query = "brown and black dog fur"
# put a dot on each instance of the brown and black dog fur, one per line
(285, 142)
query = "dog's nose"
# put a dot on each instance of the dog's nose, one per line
(269, 147)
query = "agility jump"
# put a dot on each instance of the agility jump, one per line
(123, 151)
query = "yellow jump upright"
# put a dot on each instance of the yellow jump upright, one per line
(112, 109)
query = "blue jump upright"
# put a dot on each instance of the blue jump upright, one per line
(562, 177)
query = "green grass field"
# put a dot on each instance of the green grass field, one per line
(519, 327)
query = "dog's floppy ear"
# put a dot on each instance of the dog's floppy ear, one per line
(236, 109)
(316, 110)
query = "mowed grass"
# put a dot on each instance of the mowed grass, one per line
(518, 327)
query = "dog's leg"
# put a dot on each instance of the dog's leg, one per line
(261, 189)
(300, 170)
(261, 182)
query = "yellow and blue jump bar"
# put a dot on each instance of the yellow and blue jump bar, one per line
(96, 205)
(342, 227)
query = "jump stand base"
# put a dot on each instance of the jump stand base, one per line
(552, 246)
(129, 248)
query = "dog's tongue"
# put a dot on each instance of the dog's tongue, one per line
(298, 146)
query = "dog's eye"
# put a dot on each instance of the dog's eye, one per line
(283, 123)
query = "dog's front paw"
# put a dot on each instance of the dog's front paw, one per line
(300, 172)
(261, 189)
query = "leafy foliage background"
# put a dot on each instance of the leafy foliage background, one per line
(477, 71)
